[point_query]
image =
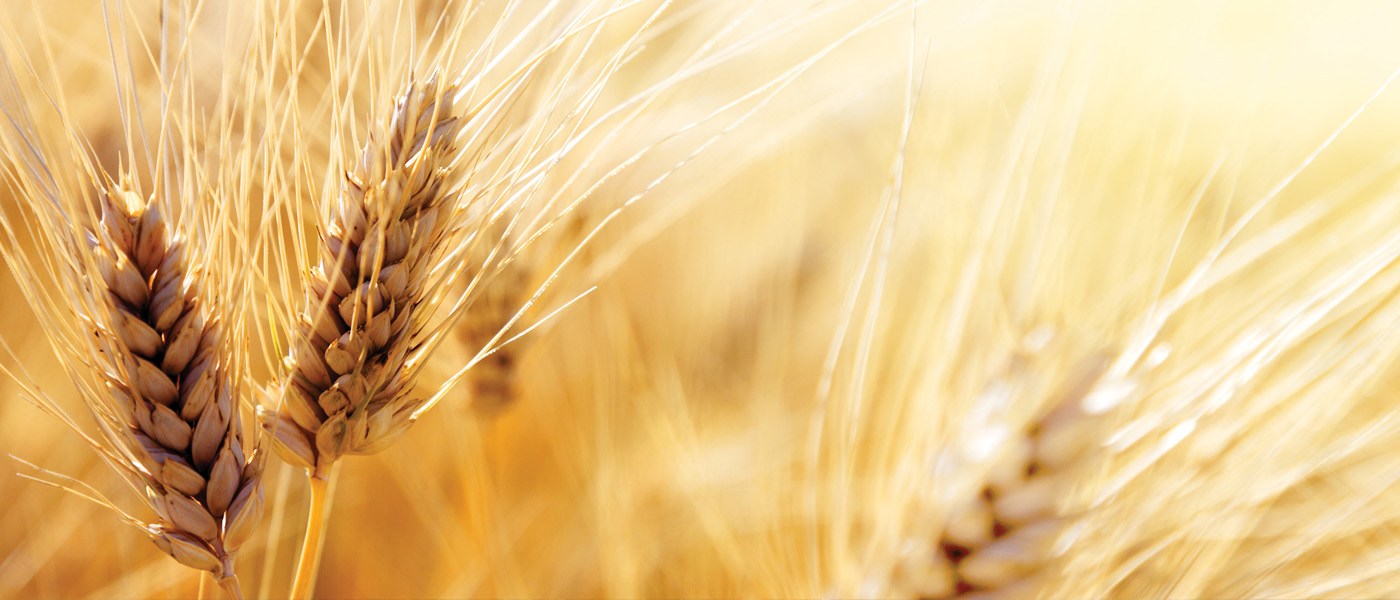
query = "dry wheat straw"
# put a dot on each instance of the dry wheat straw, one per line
(172, 406)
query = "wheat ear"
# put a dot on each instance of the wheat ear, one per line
(361, 338)
(493, 383)
(358, 342)
(171, 406)
(992, 544)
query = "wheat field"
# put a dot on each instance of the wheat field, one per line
(700, 299)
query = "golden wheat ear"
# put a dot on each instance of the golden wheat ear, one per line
(359, 339)
(171, 403)
(362, 334)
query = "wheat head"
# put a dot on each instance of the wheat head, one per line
(359, 340)
(493, 383)
(125, 274)
(172, 404)
(157, 375)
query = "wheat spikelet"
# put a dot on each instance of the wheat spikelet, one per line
(359, 340)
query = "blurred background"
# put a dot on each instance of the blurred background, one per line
(810, 294)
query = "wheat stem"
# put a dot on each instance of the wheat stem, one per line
(230, 586)
(311, 545)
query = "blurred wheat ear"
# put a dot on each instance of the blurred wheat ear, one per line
(493, 383)
(995, 542)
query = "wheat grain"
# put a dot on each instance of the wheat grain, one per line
(359, 341)
(172, 407)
